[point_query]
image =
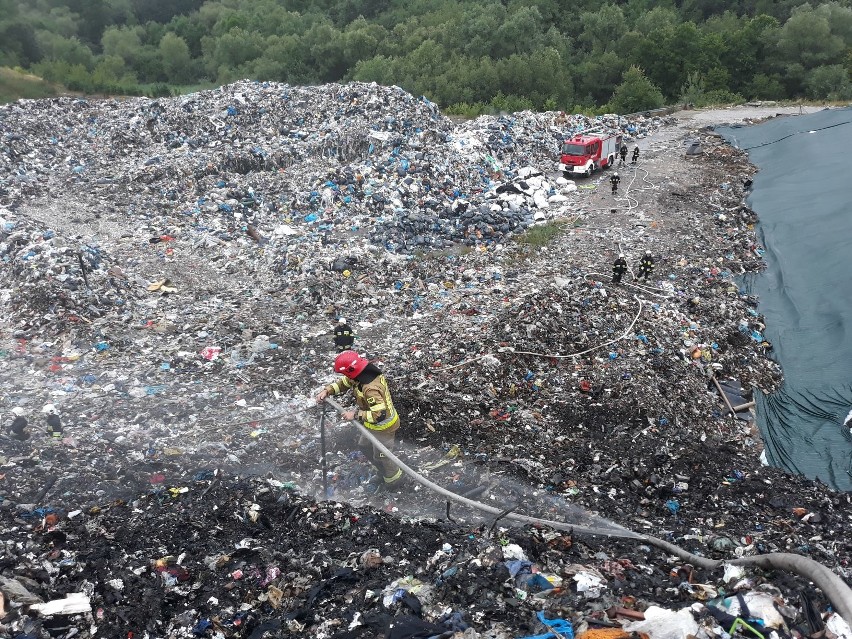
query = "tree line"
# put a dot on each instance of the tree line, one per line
(469, 57)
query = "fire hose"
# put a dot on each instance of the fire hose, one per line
(837, 591)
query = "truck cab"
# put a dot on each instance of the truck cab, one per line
(585, 154)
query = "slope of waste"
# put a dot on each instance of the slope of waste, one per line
(171, 273)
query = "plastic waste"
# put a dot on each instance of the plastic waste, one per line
(74, 603)
(589, 584)
(660, 623)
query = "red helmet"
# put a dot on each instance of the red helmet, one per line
(350, 363)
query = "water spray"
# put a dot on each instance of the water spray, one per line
(837, 591)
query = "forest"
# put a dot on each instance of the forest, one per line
(469, 57)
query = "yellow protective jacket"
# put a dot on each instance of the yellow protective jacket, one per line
(375, 406)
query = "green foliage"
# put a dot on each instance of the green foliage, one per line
(694, 90)
(15, 84)
(765, 87)
(163, 10)
(158, 90)
(57, 47)
(635, 93)
(830, 81)
(602, 29)
(540, 235)
(599, 75)
(465, 110)
(510, 103)
(816, 37)
(177, 63)
(19, 43)
(477, 55)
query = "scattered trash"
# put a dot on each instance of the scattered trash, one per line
(171, 272)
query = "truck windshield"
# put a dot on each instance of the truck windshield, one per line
(573, 149)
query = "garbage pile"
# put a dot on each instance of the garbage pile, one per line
(273, 157)
(235, 557)
(171, 273)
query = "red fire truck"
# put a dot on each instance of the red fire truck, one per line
(588, 152)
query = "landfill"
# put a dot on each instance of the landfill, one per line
(171, 274)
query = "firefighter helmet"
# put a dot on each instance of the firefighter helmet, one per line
(350, 364)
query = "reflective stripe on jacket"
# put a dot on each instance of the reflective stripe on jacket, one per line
(343, 336)
(375, 406)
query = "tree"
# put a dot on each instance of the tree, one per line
(71, 50)
(19, 44)
(420, 69)
(669, 54)
(283, 59)
(603, 28)
(163, 10)
(634, 10)
(765, 87)
(540, 77)
(191, 30)
(111, 74)
(831, 82)
(324, 46)
(517, 33)
(61, 21)
(629, 46)
(744, 50)
(361, 41)
(378, 69)
(124, 42)
(119, 12)
(807, 38)
(598, 76)
(175, 58)
(694, 89)
(476, 34)
(232, 49)
(502, 103)
(635, 93)
(467, 81)
(657, 18)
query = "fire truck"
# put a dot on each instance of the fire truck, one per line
(585, 153)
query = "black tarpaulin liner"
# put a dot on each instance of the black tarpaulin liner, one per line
(802, 194)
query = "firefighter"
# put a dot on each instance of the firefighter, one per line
(374, 410)
(343, 336)
(623, 152)
(615, 179)
(635, 155)
(619, 268)
(646, 266)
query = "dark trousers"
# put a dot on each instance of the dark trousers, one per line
(382, 463)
